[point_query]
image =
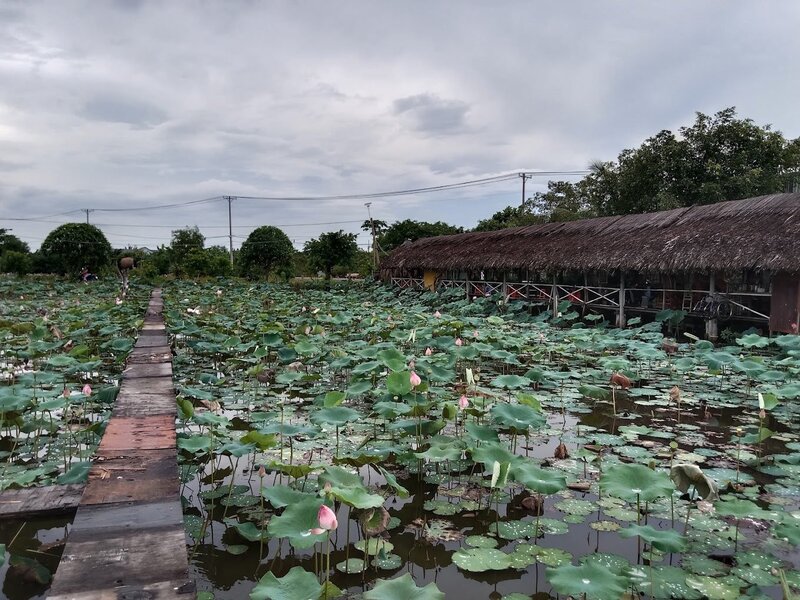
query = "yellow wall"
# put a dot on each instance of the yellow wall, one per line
(429, 280)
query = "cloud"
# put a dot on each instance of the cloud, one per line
(428, 113)
(116, 109)
(116, 104)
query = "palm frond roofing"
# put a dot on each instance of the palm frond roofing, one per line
(761, 233)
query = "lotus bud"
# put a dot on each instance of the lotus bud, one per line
(437, 314)
(412, 364)
(118, 300)
(219, 293)
(415, 380)
(66, 392)
(475, 333)
(327, 518)
(87, 390)
(308, 330)
(459, 342)
(463, 403)
(262, 471)
(428, 351)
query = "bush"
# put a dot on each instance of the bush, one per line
(12, 261)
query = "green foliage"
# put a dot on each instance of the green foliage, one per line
(11, 243)
(186, 246)
(12, 261)
(74, 245)
(331, 249)
(719, 157)
(265, 251)
(400, 231)
(510, 216)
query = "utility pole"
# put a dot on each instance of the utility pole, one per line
(374, 242)
(87, 211)
(525, 177)
(230, 227)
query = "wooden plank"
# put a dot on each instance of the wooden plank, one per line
(142, 433)
(136, 370)
(153, 385)
(134, 404)
(45, 500)
(148, 341)
(137, 475)
(115, 566)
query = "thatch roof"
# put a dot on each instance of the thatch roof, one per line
(755, 233)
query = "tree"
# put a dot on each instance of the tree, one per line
(9, 242)
(510, 216)
(400, 231)
(185, 242)
(266, 249)
(73, 245)
(719, 157)
(331, 249)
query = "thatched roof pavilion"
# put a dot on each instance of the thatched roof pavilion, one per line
(760, 233)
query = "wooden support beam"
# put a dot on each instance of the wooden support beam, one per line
(554, 296)
(712, 326)
(621, 313)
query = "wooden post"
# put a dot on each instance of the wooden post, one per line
(505, 287)
(712, 327)
(554, 297)
(467, 286)
(621, 315)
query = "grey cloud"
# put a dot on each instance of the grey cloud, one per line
(430, 114)
(118, 109)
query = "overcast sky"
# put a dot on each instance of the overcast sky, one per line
(134, 103)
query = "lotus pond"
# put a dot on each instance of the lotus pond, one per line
(63, 350)
(476, 450)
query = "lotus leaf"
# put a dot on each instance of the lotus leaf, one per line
(685, 476)
(664, 540)
(296, 522)
(403, 588)
(589, 580)
(478, 560)
(297, 584)
(630, 482)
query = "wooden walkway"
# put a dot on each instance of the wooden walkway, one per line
(127, 540)
(38, 501)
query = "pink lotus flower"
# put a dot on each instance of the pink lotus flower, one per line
(428, 351)
(327, 518)
(437, 314)
(415, 380)
(87, 390)
(475, 333)
(66, 392)
(459, 342)
(463, 402)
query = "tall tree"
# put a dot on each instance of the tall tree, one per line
(331, 249)
(266, 250)
(719, 157)
(185, 242)
(73, 245)
(400, 231)
(10, 242)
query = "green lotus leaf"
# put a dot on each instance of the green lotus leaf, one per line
(478, 560)
(788, 530)
(280, 496)
(517, 417)
(535, 478)
(78, 473)
(665, 540)
(587, 581)
(399, 383)
(335, 415)
(351, 565)
(713, 588)
(295, 523)
(403, 588)
(489, 453)
(297, 584)
(631, 481)
(250, 532)
(511, 382)
(2, 554)
(195, 444)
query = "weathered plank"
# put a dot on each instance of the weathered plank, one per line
(134, 475)
(137, 370)
(33, 501)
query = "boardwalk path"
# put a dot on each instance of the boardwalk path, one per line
(127, 540)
